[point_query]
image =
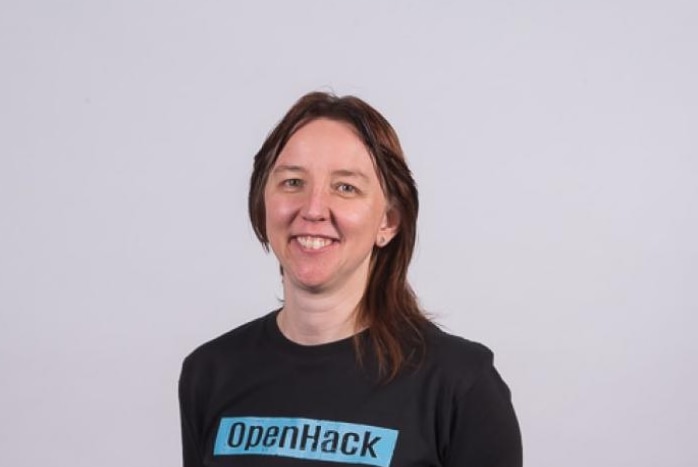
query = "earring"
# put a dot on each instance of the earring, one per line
(381, 241)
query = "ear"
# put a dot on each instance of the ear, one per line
(389, 227)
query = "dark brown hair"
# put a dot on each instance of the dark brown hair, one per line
(389, 306)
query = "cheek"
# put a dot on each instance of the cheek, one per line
(279, 211)
(365, 219)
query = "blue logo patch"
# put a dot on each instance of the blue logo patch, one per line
(305, 438)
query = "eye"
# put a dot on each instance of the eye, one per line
(346, 188)
(292, 183)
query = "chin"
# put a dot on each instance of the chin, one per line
(315, 286)
(309, 282)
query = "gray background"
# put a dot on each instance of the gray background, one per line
(555, 147)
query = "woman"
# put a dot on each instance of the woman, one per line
(349, 371)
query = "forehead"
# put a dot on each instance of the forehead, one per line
(325, 142)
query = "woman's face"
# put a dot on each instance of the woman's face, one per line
(325, 209)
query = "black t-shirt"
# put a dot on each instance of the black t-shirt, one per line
(253, 398)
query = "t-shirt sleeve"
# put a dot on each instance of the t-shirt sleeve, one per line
(484, 429)
(190, 443)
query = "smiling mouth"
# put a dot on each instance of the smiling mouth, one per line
(314, 243)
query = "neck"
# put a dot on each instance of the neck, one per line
(312, 318)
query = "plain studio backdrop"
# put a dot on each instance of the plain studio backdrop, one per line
(555, 145)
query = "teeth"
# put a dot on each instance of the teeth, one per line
(314, 243)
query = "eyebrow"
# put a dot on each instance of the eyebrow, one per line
(350, 173)
(288, 168)
(339, 172)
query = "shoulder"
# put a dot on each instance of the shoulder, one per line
(456, 359)
(233, 344)
(478, 425)
(455, 350)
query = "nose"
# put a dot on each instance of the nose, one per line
(316, 205)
